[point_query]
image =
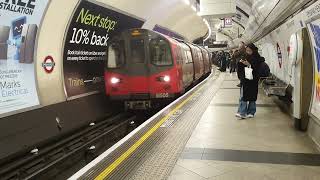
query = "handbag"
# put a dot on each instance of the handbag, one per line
(248, 73)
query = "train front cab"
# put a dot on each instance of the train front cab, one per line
(141, 69)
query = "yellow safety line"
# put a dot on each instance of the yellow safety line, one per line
(125, 155)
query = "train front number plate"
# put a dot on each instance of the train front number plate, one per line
(162, 95)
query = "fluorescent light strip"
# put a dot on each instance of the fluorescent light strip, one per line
(194, 8)
(209, 28)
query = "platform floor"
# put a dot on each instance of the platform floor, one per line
(222, 147)
(204, 140)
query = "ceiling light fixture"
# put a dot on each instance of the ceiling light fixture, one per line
(209, 29)
(194, 8)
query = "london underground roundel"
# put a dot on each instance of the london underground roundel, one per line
(48, 64)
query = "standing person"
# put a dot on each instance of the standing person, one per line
(233, 63)
(249, 88)
(223, 62)
(228, 58)
(214, 58)
(218, 58)
(240, 55)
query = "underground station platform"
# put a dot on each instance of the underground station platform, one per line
(198, 137)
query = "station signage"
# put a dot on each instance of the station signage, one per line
(227, 22)
(48, 64)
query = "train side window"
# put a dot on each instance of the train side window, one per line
(185, 56)
(196, 55)
(200, 56)
(160, 52)
(116, 55)
(181, 55)
(178, 54)
(207, 56)
(189, 55)
(137, 50)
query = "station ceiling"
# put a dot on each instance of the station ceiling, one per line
(252, 19)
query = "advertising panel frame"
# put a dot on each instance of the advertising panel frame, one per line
(18, 111)
(64, 43)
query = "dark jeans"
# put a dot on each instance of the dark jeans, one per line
(232, 69)
(246, 107)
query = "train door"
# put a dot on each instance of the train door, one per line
(137, 65)
(180, 67)
(201, 60)
(196, 63)
(206, 61)
(187, 66)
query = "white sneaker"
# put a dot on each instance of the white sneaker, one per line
(238, 115)
(250, 116)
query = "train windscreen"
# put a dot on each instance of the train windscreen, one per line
(116, 54)
(160, 52)
(137, 51)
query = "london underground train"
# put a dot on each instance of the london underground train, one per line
(145, 68)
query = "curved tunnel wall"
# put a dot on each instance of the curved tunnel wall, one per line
(281, 46)
(24, 130)
(171, 14)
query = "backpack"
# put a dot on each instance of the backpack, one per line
(264, 70)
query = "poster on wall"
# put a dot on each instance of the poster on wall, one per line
(90, 29)
(19, 24)
(293, 52)
(279, 55)
(314, 29)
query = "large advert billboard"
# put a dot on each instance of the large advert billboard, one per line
(314, 29)
(19, 24)
(91, 28)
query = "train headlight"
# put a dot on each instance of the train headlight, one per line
(166, 78)
(114, 80)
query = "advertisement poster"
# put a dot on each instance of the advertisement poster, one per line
(314, 29)
(279, 55)
(90, 29)
(19, 24)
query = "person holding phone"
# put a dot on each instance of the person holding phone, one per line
(249, 88)
(241, 54)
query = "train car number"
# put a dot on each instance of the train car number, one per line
(162, 95)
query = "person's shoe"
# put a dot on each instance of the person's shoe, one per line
(239, 85)
(250, 116)
(240, 117)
